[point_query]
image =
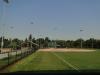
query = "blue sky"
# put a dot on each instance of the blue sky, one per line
(57, 19)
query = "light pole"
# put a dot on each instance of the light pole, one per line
(2, 40)
(31, 38)
(11, 38)
(81, 39)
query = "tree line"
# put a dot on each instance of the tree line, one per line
(47, 43)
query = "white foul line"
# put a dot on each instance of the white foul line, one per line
(66, 62)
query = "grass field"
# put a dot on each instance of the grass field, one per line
(49, 61)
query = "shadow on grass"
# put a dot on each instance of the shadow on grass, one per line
(52, 72)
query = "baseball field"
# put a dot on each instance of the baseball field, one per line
(58, 60)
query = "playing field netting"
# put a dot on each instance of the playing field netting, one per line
(43, 60)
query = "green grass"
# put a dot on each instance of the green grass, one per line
(39, 61)
(83, 61)
(48, 61)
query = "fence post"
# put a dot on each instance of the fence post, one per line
(27, 52)
(16, 55)
(8, 58)
(30, 51)
(21, 54)
(24, 53)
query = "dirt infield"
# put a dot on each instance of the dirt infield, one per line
(66, 50)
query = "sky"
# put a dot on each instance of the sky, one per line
(57, 19)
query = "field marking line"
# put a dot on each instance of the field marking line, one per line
(66, 62)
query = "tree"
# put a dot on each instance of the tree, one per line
(16, 43)
(30, 37)
(88, 43)
(47, 40)
(6, 43)
(24, 43)
(77, 43)
(33, 40)
(30, 40)
(61, 43)
(96, 44)
(69, 43)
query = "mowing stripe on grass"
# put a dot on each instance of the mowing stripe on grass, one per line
(66, 62)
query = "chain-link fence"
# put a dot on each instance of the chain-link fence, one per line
(11, 57)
